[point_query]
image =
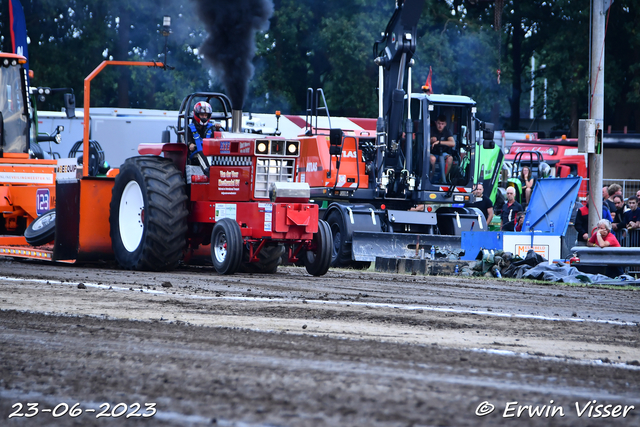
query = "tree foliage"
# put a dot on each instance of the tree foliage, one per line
(329, 43)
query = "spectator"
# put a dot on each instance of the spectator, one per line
(603, 237)
(605, 192)
(612, 190)
(527, 181)
(582, 221)
(510, 208)
(515, 225)
(520, 221)
(631, 218)
(621, 208)
(638, 194)
(482, 203)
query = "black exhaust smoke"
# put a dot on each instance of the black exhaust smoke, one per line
(230, 45)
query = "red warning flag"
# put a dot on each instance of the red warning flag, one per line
(427, 88)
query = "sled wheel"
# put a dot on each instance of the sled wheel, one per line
(317, 261)
(269, 260)
(340, 250)
(42, 229)
(360, 265)
(226, 246)
(148, 214)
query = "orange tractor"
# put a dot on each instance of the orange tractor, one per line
(156, 210)
(27, 185)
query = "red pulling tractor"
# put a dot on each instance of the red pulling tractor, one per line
(240, 198)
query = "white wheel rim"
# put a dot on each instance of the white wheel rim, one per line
(220, 247)
(43, 221)
(131, 216)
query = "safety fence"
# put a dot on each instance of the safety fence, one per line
(629, 239)
(629, 186)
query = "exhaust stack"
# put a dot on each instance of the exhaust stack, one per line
(236, 117)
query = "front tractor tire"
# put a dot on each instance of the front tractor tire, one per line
(42, 230)
(148, 214)
(226, 246)
(318, 259)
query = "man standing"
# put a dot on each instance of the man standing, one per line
(482, 203)
(631, 218)
(620, 210)
(510, 208)
(612, 190)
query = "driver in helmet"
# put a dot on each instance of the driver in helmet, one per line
(201, 126)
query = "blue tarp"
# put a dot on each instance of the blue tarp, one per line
(551, 205)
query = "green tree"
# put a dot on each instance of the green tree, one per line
(68, 39)
(622, 66)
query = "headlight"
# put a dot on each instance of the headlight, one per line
(261, 148)
(292, 148)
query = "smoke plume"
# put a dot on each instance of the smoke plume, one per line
(230, 45)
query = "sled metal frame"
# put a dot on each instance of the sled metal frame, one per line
(29, 252)
(87, 96)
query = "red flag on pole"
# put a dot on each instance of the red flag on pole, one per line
(18, 30)
(427, 88)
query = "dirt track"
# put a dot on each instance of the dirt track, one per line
(350, 348)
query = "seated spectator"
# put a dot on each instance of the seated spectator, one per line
(527, 181)
(603, 237)
(515, 225)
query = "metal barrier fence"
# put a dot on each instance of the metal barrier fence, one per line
(629, 186)
(629, 239)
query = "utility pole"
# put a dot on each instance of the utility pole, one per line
(596, 107)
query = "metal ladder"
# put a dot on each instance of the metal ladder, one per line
(313, 106)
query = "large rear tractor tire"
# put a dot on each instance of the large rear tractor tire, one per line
(269, 260)
(226, 246)
(42, 230)
(317, 262)
(148, 214)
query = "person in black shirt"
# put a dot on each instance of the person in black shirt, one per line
(482, 203)
(612, 190)
(620, 210)
(510, 208)
(631, 218)
(442, 145)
